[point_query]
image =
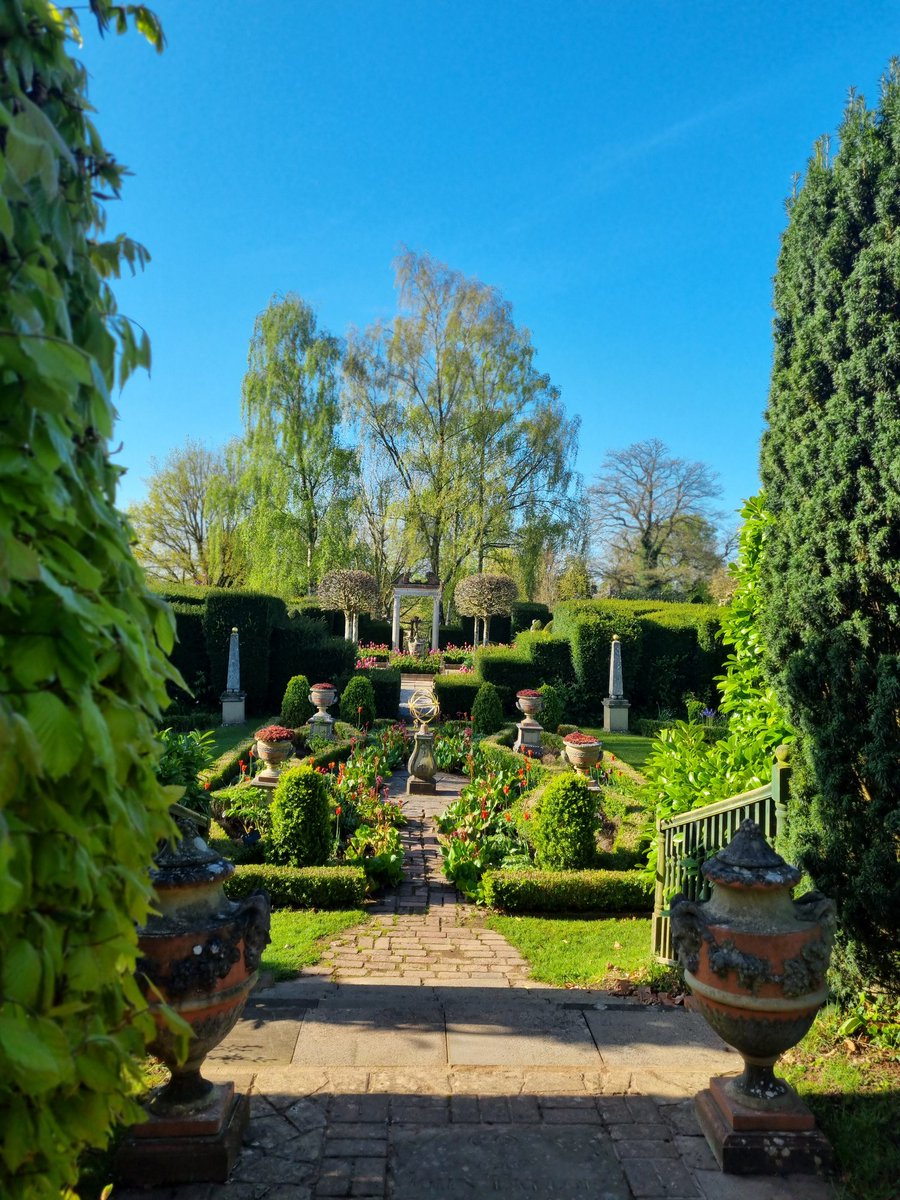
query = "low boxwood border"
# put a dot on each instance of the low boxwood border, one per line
(300, 887)
(568, 891)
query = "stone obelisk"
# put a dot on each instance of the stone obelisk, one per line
(233, 698)
(615, 706)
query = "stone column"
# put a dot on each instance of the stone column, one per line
(395, 625)
(233, 698)
(436, 624)
(615, 706)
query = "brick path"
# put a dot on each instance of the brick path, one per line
(417, 1061)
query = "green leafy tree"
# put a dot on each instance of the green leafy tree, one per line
(652, 522)
(686, 771)
(82, 642)
(484, 596)
(575, 580)
(296, 473)
(831, 584)
(476, 437)
(187, 531)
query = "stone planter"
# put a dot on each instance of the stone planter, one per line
(321, 723)
(273, 754)
(200, 956)
(529, 705)
(755, 961)
(584, 757)
(322, 698)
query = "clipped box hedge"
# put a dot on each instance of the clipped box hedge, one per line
(456, 693)
(667, 649)
(253, 614)
(523, 613)
(300, 887)
(500, 629)
(508, 669)
(386, 686)
(568, 891)
(550, 656)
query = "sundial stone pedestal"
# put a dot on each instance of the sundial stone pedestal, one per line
(233, 699)
(423, 707)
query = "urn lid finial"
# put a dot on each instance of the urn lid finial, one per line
(749, 861)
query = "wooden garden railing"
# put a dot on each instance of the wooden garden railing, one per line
(687, 839)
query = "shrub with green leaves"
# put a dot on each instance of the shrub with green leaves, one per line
(830, 582)
(568, 891)
(83, 644)
(184, 756)
(487, 711)
(300, 834)
(552, 713)
(358, 703)
(566, 825)
(299, 887)
(295, 707)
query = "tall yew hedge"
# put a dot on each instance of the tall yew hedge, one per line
(831, 470)
(82, 662)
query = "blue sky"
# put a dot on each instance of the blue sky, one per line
(617, 169)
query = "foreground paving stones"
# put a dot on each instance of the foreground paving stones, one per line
(419, 1062)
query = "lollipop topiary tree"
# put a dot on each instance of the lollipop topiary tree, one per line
(349, 592)
(484, 596)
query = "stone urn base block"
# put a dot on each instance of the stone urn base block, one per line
(199, 1147)
(759, 1141)
(420, 787)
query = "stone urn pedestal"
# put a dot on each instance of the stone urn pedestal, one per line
(200, 957)
(528, 741)
(755, 961)
(274, 755)
(583, 756)
(321, 723)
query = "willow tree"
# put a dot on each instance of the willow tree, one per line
(477, 438)
(296, 473)
(82, 673)
(830, 465)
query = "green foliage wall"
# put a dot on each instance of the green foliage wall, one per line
(83, 644)
(550, 655)
(456, 693)
(667, 649)
(253, 614)
(507, 670)
(524, 612)
(831, 618)
(500, 632)
(386, 686)
(190, 658)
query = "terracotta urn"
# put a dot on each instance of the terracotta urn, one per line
(755, 961)
(200, 956)
(583, 755)
(529, 703)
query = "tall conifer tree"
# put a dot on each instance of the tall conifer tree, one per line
(831, 470)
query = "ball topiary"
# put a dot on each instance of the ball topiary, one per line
(295, 707)
(565, 825)
(358, 703)
(552, 713)
(487, 711)
(301, 820)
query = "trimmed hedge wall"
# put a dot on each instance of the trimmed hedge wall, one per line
(550, 655)
(456, 693)
(567, 891)
(523, 613)
(254, 614)
(667, 649)
(296, 649)
(508, 670)
(373, 629)
(189, 654)
(449, 635)
(300, 887)
(649, 728)
(500, 631)
(386, 685)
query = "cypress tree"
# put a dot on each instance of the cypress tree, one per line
(831, 579)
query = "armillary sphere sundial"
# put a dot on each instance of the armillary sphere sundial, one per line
(423, 706)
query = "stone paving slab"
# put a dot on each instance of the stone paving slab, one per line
(419, 1062)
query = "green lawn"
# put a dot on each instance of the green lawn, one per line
(579, 950)
(300, 937)
(228, 737)
(854, 1092)
(627, 746)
